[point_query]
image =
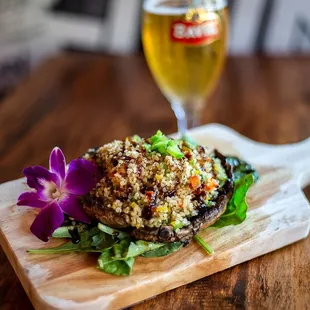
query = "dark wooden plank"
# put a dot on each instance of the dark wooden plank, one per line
(78, 101)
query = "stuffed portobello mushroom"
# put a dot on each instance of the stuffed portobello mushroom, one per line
(158, 189)
(137, 198)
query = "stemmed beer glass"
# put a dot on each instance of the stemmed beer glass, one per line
(185, 46)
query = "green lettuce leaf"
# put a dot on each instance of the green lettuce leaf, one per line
(237, 206)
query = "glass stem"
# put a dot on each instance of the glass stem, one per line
(187, 114)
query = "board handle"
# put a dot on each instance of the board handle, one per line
(296, 156)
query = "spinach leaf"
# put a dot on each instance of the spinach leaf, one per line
(109, 264)
(164, 250)
(237, 206)
(139, 247)
(113, 232)
(241, 168)
(64, 231)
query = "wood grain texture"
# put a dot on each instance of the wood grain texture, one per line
(87, 101)
(279, 215)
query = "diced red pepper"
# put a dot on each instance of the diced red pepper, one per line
(195, 182)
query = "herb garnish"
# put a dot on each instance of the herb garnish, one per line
(162, 144)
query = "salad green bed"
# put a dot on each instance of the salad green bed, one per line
(118, 250)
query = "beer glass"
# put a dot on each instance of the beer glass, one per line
(185, 46)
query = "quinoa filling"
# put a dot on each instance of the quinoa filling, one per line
(150, 189)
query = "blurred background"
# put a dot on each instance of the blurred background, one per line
(32, 30)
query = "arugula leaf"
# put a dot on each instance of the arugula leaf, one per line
(164, 250)
(139, 247)
(108, 264)
(241, 168)
(68, 247)
(113, 232)
(103, 241)
(85, 245)
(237, 206)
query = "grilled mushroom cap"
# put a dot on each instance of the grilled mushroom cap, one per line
(96, 209)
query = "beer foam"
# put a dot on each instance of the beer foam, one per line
(157, 7)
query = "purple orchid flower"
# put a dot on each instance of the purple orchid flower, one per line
(56, 191)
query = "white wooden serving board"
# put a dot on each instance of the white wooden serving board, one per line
(279, 215)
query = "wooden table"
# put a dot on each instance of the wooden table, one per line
(78, 101)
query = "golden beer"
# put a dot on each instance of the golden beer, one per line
(185, 48)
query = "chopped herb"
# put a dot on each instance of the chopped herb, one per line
(136, 138)
(177, 226)
(147, 147)
(163, 145)
(173, 149)
(189, 141)
(206, 246)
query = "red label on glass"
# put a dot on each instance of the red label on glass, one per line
(193, 33)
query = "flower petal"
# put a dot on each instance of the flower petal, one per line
(31, 199)
(81, 177)
(47, 221)
(58, 162)
(36, 173)
(71, 205)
